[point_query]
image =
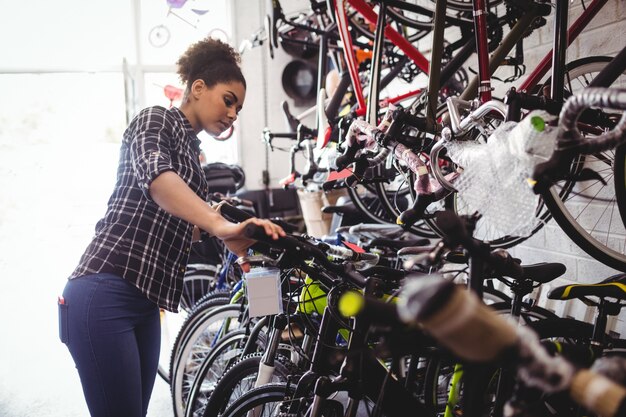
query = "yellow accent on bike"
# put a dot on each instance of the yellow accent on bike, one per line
(568, 289)
(350, 303)
(312, 297)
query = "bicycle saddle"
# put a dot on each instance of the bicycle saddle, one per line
(398, 244)
(614, 287)
(344, 209)
(543, 272)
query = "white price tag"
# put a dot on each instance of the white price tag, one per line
(263, 291)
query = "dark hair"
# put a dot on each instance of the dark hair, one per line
(211, 61)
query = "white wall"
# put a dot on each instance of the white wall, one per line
(264, 95)
(604, 36)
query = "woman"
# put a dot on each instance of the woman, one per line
(109, 312)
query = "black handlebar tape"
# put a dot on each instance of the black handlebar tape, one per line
(258, 233)
(355, 278)
(347, 157)
(234, 214)
(417, 122)
(455, 231)
(411, 216)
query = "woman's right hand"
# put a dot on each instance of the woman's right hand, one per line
(233, 234)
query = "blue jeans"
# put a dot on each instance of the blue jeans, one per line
(113, 334)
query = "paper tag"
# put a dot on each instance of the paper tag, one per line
(264, 292)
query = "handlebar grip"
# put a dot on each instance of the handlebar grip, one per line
(598, 394)
(590, 97)
(374, 311)
(455, 231)
(233, 213)
(347, 157)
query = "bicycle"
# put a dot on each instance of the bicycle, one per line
(481, 336)
(319, 363)
(471, 120)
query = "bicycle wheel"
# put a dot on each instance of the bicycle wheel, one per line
(590, 213)
(222, 356)
(241, 377)
(444, 388)
(269, 398)
(205, 328)
(619, 169)
(197, 284)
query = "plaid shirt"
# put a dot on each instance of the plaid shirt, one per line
(136, 239)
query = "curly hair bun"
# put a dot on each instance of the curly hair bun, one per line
(210, 60)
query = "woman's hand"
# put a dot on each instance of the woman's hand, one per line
(233, 234)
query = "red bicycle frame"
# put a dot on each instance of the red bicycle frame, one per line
(390, 33)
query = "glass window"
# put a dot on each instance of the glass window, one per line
(72, 34)
(168, 27)
(62, 109)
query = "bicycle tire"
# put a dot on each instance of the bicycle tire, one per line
(194, 345)
(221, 357)
(196, 285)
(590, 215)
(211, 301)
(241, 377)
(619, 176)
(270, 394)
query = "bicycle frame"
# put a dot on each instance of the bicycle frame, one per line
(575, 29)
(351, 62)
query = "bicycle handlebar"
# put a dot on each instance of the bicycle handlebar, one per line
(571, 142)
(568, 134)
(301, 249)
(456, 233)
(460, 322)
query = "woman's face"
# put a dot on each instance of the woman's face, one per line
(217, 107)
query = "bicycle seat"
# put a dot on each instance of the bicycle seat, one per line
(543, 272)
(398, 244)
(344, 209)
(613, 287)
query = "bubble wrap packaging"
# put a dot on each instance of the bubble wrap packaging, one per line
(494, 175)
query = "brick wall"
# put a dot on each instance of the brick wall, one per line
(605, 35)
